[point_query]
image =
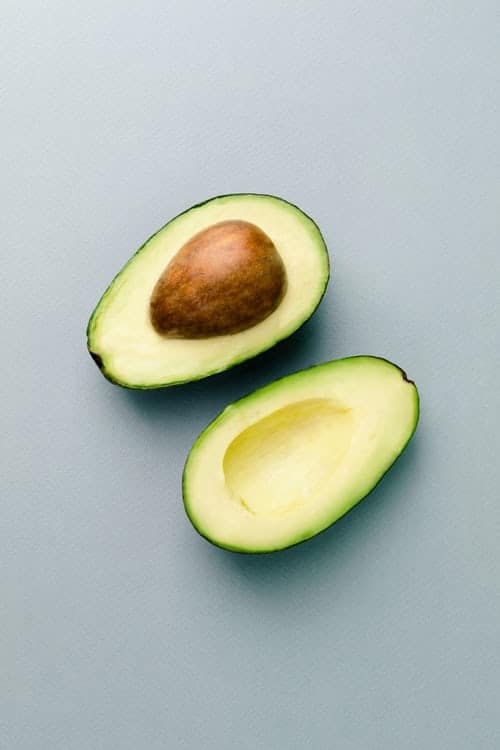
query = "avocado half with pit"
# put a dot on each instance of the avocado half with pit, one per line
(287, 461)
(220, 283)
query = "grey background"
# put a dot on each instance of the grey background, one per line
(120, 627)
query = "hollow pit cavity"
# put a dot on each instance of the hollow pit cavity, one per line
(283, 462)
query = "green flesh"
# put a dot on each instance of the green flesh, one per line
(290, 459)
(129, 351)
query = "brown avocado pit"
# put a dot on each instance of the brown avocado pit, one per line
(225, 279)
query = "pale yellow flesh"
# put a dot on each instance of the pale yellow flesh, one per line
(132, 351)
(279, 463)
(286, 462)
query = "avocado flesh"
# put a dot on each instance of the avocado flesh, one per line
(120, 334)
(287, 461)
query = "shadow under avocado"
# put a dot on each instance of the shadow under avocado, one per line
(329, 553)
(212, 394)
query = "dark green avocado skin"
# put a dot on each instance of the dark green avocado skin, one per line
(97, 358)
(307, 535)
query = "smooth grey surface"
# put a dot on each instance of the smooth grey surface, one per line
(121, 628)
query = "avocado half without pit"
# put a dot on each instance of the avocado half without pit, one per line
(218, 284)
(287, 461)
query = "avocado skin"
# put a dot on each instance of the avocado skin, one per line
(116, 381)
(308, 534)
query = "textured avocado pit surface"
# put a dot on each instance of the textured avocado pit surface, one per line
(225, 279)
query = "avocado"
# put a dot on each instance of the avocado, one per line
(287, 461)
(220, 283)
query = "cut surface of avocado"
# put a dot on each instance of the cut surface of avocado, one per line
(285, 462)
(131, 351)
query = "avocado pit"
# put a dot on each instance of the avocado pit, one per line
(225, 279)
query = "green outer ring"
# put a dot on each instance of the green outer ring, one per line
(93, 318)
(270, 387)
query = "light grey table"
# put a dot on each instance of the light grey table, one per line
(121, 629)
